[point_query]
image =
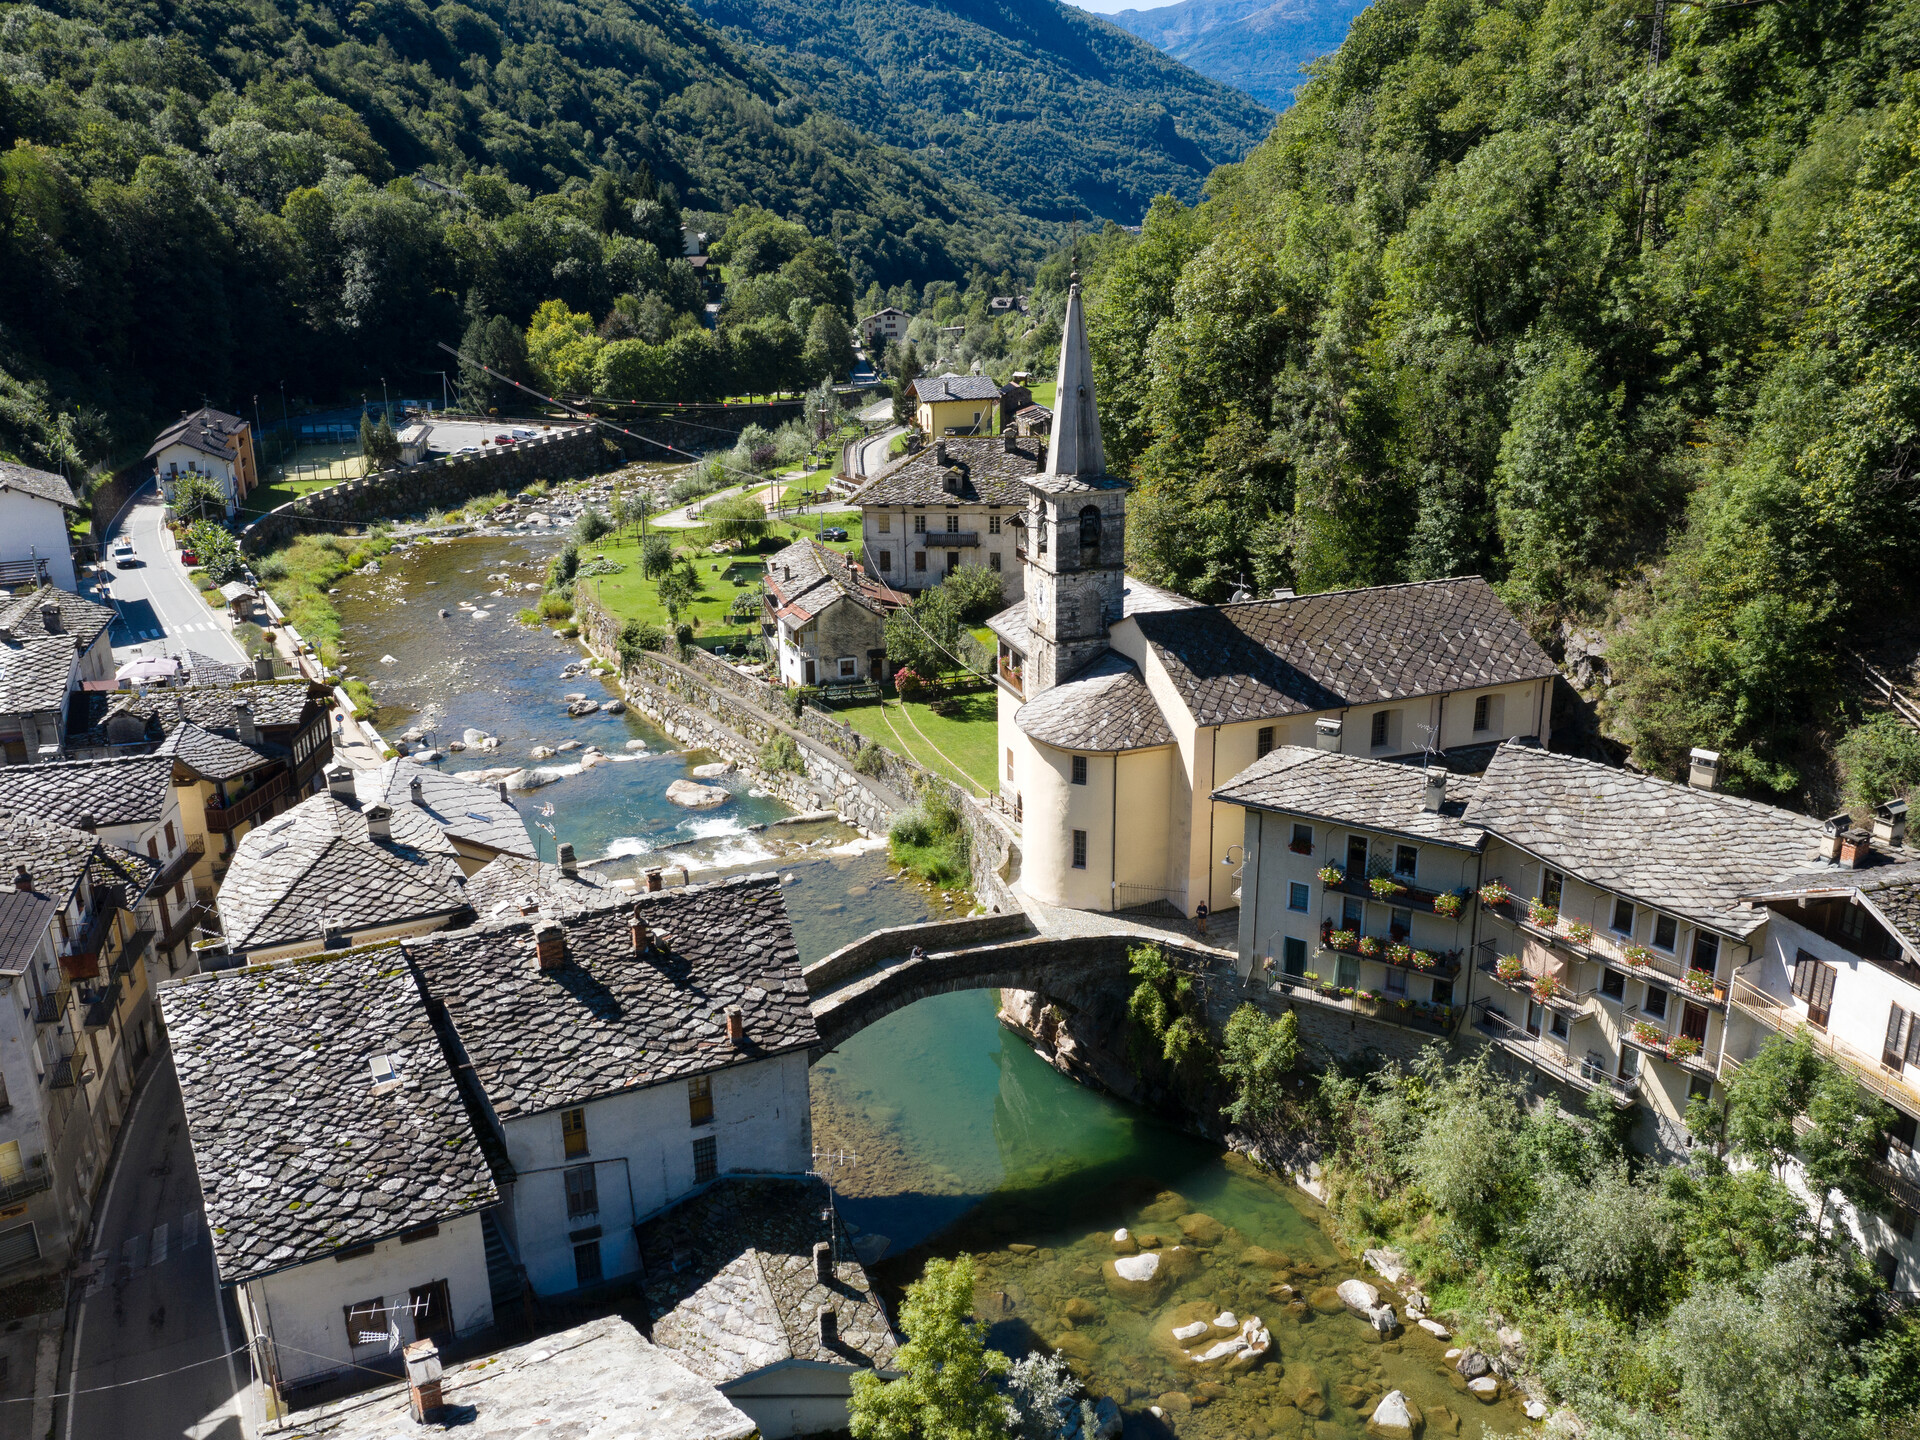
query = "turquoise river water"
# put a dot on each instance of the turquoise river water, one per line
(942, 1132)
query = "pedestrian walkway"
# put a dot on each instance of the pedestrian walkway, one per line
(166, 1241)
(1058, 922)
(123, 635)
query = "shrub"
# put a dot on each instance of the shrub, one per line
(1384, 887)
(1369, 946)
(271, 569)
(1638, 955)
(591, 526)
(1878, 761)
(1423, 960)
(870, 760)
(781, 755)
(637, 636)
(907, 681)
(530, 616)
(656, 556)
(556, 607)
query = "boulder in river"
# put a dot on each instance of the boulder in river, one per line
(1202, 1230)
(1123, 1242)
(636, 744)
(613, 707)
(582, 707)
(1472, 1364)
(541, 752)
(1326, 1300)
(1433, 1328)
(696, 797)
(566, 745)
(1395, 1418)
(1358, 1296)
(472, 736)
(1390, 1265)
(1138, 1281)
(1486, 1389)
(713, 771)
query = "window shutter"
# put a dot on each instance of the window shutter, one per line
(1913, 1045)
(1896, 1028)
(1804, 969)
(1823, 986)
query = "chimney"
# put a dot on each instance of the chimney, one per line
(1007, 441)
(1890, 823)
(243, 722)
(829, 1324)
(940, 453)
(569, 864)
(51, 618)
(263, 667)
(89, 823)
(332, 937)
(736, 1025)
(1326, 734)
(822, 1261)
(379, 822)
(1855, 846)
(1436, 794)
(339, 781)
(639, 939)
(1703, 769)
(549, 946)
(22, 878)
(423, 1380)
(654, 880)
(500, 788)
(416, 792)
(1831, 832)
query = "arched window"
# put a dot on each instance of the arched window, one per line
(1090, 528)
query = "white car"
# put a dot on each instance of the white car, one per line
(520, 432)
(123, 555)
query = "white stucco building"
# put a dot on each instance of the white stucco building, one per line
(33, 527)
(207, 442)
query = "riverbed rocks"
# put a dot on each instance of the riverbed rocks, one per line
(696, 797)
(542, 752)
(1472, 1364)
(1201, 1230)
(582, 707)
(1139, 1281)
(713, 771)
(1433, 1328)
(1389, 1265)
(613, 707)
(1395, 1418)
(1124, 1243)
(566, 745)
(1358, 1296)
(1486, 1389)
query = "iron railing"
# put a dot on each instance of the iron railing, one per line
(1583, 1075)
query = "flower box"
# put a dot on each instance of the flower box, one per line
(1542, 914)
(1545, 987)
(1447, 905)
(1683, 1047)
(1369, 946)
(1332, 875)
(1637, 955)
(1580, 932)
(1700, 982)
(1423, 960)
(1341, 939)
(1400, 953)
(1649, 1034)
(1495, 893)
(1384, 888)
(1508, 968)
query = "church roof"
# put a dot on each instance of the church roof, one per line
(1076, 457)
(1107, 706)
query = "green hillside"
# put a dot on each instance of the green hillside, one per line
(1499, 295)
(1056, 112)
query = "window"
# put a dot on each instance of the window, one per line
(1666, 933)
(169, 837)
(1443, 992)
(953, 524)
(1613, 985)
(1557, 1025)
(1813, 983)
(1897, 1022)
(848, 668)
(573, 1132)
(1079, 769)
(1009, 762)
(953, 561)
(1623, 917)
(885, 557)
(919, 560)
(1079, 849)
(993, 524)
(1294, 956)
(586, 1263)
(365, 1324)
(1356, 858)
(583, 1196)
(700, 1100)
(919, 524)
(1406, 861)
(886, 523)
(431, 1309)
(1297, 897)
(1706, 951)
(706, 1160)
(1552, 886)
(1629, 1067)
(1263, 741)
(1482, 713)
(1352, 914)
(993, 560)
(1900, 1134)
(1090, 527)
(1853, 921)
(1693, 1022)
(1396, 983)
(1656, 1002)
(1379, 729)
(1900, 1221)
(1400, 924)
(1302, 842)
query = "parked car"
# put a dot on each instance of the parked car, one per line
(503, 439)
(833, 532)
(520, 432)
(123, 554)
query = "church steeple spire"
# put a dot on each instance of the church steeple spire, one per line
(1075, 449)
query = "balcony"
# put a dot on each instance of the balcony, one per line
(1011, 674)
(1409, 1014)
(52, 1009)
(68, 1072)
(100, 1009)
(1651, 1037)
(131, 952)
(15, 1190)
(222, 818)
(188, 921)
(1394, 954)
(1548, 1057)
(1786, 1018)
(1557, 996)
(949, 539)
(1406, 896)
(1668, 967)
(176, 869)
(80, 952)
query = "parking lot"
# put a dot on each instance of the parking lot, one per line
(451, 436)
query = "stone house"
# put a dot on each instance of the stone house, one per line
(73, 925)
(956, 502)
(34, 549)
(884, 325)
(344, 1184)
(825, 618)
(52, 643)
(211, 443)
(955, 405)
(624, 1058)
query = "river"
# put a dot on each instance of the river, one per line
(941, 1132)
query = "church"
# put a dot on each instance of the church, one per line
(1123, 707)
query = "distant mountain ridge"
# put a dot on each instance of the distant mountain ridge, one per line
(1256, 46)
(1047, 108)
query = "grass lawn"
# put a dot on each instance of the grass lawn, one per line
(961, 746)
(1043, 393)
(631, 597)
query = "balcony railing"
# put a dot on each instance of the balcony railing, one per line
(188, 921)
(1652, 1037)
(80, 952)
(175, 869)
(948, 539)
(222, 818)
(1669, 967)
(1563, 1001)
(1409, 1014)
(100, 1009)
(20, 1189)
(131, 952)
(68, 1072)
(52, 1009)
(1012, 675)
(1446, 963)
(1788, 1019)
(1407, 897)
(1549, 1058)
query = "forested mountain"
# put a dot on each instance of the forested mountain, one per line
(204, 197)
(1626, 322)
(1257, 46)
(1038, 103)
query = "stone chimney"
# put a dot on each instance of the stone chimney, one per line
(1703, 769)
(829, 1324)
(423, 1380)
(654, 880)
(1008, 441)
(379, 822)
(549, 945)
(1326, 733)
(940, 453)
(1855, 846)
(1832, 831)
(736, 1026)
(89, 822)
(332, 937)
(243, 722)
(569, 864)
(1890, 823)
(340, 782)
(416, 792)
(500, 789)
(822, 1261)
(1436, 791)
(263, 667)
(51, 617)
(22, 878)
(639, 939)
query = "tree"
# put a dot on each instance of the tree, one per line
(497, 344)
(903, 368)
(378, 443)
(975, 593)
(637, 636)
(196, 497)
(1257, 1055)
(1879, 760)
(676, 589)
(591, 526)
(562, 348)
(1790, 1103)
(946, 1390)
(829, 346)
(737, 520)
(656, 556)
(925, 636)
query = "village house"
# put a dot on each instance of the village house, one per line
(34, 549)
(52, 643)
(825, 618)
(345, 1186)
(624, 1058)
(73, 930)
(956, 502)
(884, 325)
(1119, 700)
(955, 405)
(211, 443)
(510, 886)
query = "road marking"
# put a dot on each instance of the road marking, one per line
(133, 1254)
(159, 1244)
(189, 1229)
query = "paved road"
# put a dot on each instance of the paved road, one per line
(160, 611)
(152, 1305)
(451, 435)
(872, 454)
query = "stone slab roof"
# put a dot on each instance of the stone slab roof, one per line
(81, 620)
(1692, 853)
(731, 1286)
(499, 888)
(1107, 706)
(40, 483)
(211, 756)
(1137, 597)
(990, 473)
(24, 918)
(1282, 657)
(35, 674)
(599, 1381)
(608, 1021)
(1354, 790)
(207, 430)
(297, 1153)
(276, 704)
(806, 577)
(58, 857)
(317, 863)
(939, 388)
(464, 809)
(126, 790)
(1890, 888)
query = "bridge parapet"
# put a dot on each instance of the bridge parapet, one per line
(897, 943)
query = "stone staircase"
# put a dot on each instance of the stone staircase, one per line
(503, 1271)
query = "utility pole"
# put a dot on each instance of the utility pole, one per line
(386, 405)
